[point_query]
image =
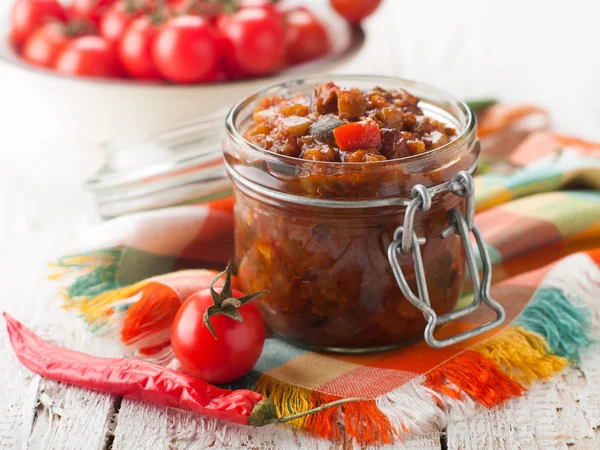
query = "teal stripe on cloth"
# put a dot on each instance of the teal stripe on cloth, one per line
(542, 176)
(566, 327)
(275, 353)
(523, 178)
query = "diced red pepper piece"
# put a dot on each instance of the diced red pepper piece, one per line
(357, 135)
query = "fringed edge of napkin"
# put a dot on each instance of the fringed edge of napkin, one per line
(548, 335)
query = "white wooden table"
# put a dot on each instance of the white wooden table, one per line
(535, 51)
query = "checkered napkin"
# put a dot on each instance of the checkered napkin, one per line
(541, 223)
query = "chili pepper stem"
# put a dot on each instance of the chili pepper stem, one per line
(225, 303)
(265, 413)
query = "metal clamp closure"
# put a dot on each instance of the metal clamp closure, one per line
(406, 241)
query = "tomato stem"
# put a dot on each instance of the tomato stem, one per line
(157, 17)
(225, 303)
(78, 27)
(130, 6)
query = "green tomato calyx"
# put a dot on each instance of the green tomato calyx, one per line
(224, 302)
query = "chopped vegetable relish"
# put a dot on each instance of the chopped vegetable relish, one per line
(346, 125)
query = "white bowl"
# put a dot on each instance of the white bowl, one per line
(89, 111)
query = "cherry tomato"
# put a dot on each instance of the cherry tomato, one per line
(44, 45)
(185, 49)
(135, 49)
(116, 20)
(258, 40)
(27, 15)
(88, 56)
(354, 11)
(305, 36)
(230, 349)
(91, 10)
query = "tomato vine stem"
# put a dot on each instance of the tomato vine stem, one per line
(224, 302)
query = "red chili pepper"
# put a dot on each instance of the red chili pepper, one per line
(357, 135)
(145, 381)
(131, 378)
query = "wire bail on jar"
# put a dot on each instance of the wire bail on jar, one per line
(406, 241)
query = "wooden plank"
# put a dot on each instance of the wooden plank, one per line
(555, 414)
(18, 395)
(530, 422)
(141, 426)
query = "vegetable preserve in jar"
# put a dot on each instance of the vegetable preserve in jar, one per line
(334, 180)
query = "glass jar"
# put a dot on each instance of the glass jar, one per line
(317, 235)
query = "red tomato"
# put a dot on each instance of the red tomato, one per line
(88, 56)
(305, 36)
(135, 49)
(354, 11)
(91, 10)
(258, 40)
(230, 350)
(116, 20)
(185, 49)
(44, 45)
(27, 15)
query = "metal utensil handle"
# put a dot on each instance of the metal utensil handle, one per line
(406, 241)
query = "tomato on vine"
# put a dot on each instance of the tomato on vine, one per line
(117, 18)
(91, 10)
(44, 45)
(28, 15)
(135, 49)
(257, 40)
(89, 56)
(306, 37)
(185, 49)
(218, 337)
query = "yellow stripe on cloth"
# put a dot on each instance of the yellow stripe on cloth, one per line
(492, 196)
(523, 355)
(553, 207)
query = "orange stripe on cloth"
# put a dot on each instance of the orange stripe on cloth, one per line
(595, 255)
(589, 238)
(475, 375)
(363, 421)
(543, 143)
(222, 204)
(418, 357)
(371, 382)
(153, 312)
(499, 117)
